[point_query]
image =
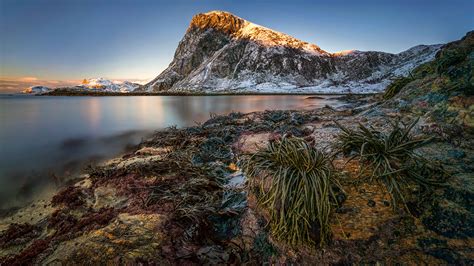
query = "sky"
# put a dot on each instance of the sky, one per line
(60, 42)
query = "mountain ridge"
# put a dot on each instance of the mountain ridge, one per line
(221, 52)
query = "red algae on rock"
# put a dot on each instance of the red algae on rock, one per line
(72, 197)
(17, 234)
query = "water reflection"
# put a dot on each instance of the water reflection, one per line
(45, 136)
(92, 112)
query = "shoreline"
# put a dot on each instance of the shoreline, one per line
(104, 94)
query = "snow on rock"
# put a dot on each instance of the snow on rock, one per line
(221, 52)
(36, 90)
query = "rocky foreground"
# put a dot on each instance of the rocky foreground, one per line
(181, 197)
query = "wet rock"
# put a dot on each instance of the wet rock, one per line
(137, 161)
(152, 151)
(236, 180)
(450, 256)
(456, 154)
(450, 220)
(461, 192)
(439, 249)
(426, 243)
(213, 255)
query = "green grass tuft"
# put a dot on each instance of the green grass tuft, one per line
(294, 181)
(390, 158)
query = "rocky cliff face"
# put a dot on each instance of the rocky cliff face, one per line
(221, 52)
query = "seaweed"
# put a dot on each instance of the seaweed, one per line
(276, 116)
(222, 120)
(170, 137)
(71, 196)
(29, 254)
(61, 221)
(67, 226)
(212, 149)
(225, 220)
(95, 219)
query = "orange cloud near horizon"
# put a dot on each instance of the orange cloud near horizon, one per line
(18, 84)
(28, 79)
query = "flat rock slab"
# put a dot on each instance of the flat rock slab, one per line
(128, 238)
(251, 143)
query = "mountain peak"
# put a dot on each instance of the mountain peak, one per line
(240, 28)
(219, 20)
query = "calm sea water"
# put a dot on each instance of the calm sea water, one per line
(42, 137)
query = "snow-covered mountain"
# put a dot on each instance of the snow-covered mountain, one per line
(221, 52)
(101, 84)
(36, 90)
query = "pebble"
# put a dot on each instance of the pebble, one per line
(371, 203)
(340, 197)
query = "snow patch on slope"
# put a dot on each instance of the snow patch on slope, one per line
(268, 37)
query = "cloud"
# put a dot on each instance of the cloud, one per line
(13, 85)
(28, 79)
(139, 81)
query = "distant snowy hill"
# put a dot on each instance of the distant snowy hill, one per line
(221, 52)
(89, 85)
(101, 84)
(36, 90)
